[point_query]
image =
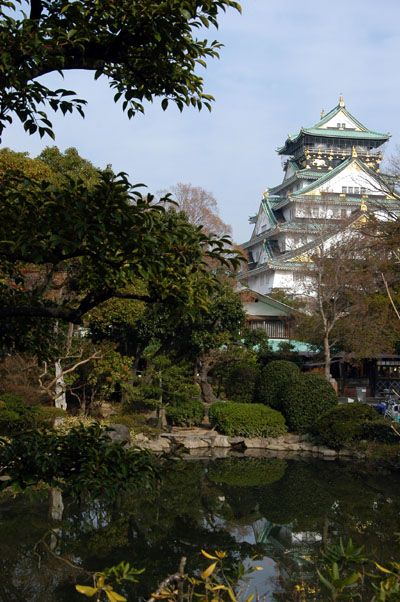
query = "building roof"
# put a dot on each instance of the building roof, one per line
(360, 132)
(300, 174)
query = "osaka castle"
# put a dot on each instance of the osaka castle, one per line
(331, 175)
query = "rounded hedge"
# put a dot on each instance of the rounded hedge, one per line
(246, 420)
(305, 399)
(272, 381)
(345, 425)
(188, 413)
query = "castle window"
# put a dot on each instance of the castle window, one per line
(356, 190)
(363, 191)
(350, 190)
(344, 189)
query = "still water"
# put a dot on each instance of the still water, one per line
(283, 511)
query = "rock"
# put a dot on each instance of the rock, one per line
(293, 447)
(345, 453)
(220, 441)
(236, 440)
(277, 446)
(119, 433)
(105, 410)
(256, 442)
(139, 438)
(194, 443)
(325, 451)
(156, 445)
(308, 447)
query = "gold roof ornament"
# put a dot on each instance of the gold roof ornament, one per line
(341, 101)
(354, 153)
(266, 193)
(363, 206)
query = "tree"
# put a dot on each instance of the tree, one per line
(345, 307)
(93, 243)
(201, 208)
(146, 49)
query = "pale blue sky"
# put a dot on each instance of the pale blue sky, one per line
(283, 61)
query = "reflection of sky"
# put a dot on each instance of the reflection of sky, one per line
(282, 542)
(282, 62)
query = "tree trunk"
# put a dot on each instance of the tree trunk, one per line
(60, 387)
(327, 359)
(56, 505)
(207, 393)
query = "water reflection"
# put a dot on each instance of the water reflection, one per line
(283, 511)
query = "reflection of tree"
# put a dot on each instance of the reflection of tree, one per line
(196, 505)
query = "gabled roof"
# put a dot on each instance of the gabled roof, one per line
(268, 300)
(325, 177)
(361, 133)
(340, 108)
(331, 174)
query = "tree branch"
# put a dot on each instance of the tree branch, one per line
(74, 315)
(389, 294)
(36, 9)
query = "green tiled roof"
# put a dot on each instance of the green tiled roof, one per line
(334, 133)
(364, 135)
(299, 346)
(266, 203)
(334, 112)
(301, 174)
(328, 176)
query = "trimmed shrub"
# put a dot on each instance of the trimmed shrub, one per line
(16, 416)
(246, 420)
(305, 399)
(345, 425)
(272, 381)
(247, 472)
(240, 380)
(188, 413)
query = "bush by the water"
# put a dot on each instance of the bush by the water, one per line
(240, 381)
(188, 413)
(347, 424)
(272, 381)
(247, 472)
(82, 461)
(305, 399)
(16, 416)
(247, 420)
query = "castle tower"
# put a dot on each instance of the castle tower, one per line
(331, 170)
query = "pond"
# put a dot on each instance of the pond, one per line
(283, 511)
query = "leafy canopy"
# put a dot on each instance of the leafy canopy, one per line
(145, 48)
(95, 237)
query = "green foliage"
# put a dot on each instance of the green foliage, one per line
(96, 243)
(16, 416)
(145, 49)
(164, 383)
(247, 420)
(188, 413)
(240, 379)
(69, 164)
(105, 581)
(348, 424)
(247, 472)
(272, 381)
(305, 399)
(81, 462)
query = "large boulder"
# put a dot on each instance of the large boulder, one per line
(119, 433)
